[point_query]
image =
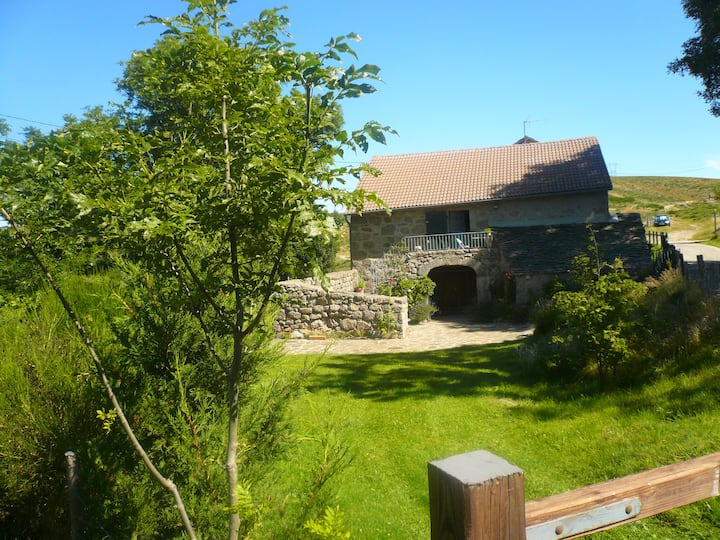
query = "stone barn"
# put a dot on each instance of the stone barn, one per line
(474, 220)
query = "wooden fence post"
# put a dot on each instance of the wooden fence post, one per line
(73, 495)
(476, 496)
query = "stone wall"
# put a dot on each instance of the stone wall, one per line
(344, 281)
(556, 210)
(373, 233)
(486, 263)
(308, 309)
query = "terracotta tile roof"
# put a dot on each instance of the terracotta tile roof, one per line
(485, 174)
(550, 250)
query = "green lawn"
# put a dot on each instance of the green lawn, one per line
(398, 411)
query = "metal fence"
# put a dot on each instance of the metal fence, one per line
(449, 241)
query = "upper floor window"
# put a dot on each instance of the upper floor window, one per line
(447, 221)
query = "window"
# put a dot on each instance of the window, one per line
(444, 221)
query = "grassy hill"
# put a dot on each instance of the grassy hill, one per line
(690, 202)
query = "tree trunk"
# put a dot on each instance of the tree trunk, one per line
(231, 461)
(233, 389)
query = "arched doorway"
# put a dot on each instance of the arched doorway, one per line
(455, 288)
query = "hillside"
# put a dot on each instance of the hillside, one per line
(690, 202)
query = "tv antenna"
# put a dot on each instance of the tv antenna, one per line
(525, 123)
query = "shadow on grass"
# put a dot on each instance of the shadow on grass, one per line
(498, 370)
(461, 371)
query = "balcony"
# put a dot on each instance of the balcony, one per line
(449, 241)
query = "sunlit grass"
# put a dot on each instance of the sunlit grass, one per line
(398, 411)
(690, 202)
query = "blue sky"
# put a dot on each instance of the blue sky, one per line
(458, 73)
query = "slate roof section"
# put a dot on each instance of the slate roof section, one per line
(550, 250)
(486, 174)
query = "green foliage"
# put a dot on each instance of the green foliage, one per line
(701, 55)
(606, 325)
(399, 283)
(503, 291)
(386, 324)
(107, 418)
(593, 326)
(48, 406)
(330, 527)
(589, 329)
(316, 250)
(421, 311)
(682, 319)
(417, 290)
(202, 190)
(175, 401)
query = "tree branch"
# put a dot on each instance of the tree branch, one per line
(272, 277)
(196, 313)
(196, 281)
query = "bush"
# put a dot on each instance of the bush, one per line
(605, 324)
(681, 318)
(590, 325)
(417, 290)
(421, 312)
(51, 403)
(48, 406)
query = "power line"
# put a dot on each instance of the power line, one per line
(29, 120)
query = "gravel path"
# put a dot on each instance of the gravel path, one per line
(432, 335)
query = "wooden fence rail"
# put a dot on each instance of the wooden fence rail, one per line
(480, 496)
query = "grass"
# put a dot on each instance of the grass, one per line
(398, 411)
(690, 202)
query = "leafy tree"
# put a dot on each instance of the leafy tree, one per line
(589, 328)
(595, 325)
(701, 54)
(202, 182)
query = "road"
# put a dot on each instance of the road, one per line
(690, 251)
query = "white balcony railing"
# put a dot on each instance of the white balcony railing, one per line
(449, 241)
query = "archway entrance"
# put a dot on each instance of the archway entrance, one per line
(455, 288)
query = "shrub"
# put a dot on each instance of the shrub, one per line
(417, 290)
(421, 312)
(594, 327)
(607, 324)
(681, 318)
(589, 327)
(385, 324)
(51, 403)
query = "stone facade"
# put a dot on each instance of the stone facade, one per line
(486, 264)
(308, 309)
(373, 233)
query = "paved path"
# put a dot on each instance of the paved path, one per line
(690, 251)
(432, 335)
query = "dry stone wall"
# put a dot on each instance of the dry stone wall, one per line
(307, 309)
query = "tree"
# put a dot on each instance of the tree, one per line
(701, 54)
(203, 180)
(590, 327)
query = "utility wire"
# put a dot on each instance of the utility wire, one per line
(29, 120)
